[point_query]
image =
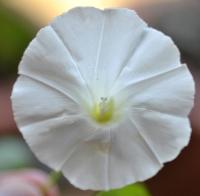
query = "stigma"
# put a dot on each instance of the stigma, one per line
(103, 110)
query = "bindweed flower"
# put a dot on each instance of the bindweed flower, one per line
(103, 98)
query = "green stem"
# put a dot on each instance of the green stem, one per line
(53, 179)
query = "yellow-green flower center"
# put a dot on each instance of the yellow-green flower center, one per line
(103, 111)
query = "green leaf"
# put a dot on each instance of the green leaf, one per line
(131, 190)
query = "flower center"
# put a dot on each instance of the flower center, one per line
(102, 112)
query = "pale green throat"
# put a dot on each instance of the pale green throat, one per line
(103, 111)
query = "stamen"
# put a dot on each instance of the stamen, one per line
(102, 112)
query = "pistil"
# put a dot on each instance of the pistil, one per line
(103, 111)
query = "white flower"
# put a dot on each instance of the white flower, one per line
(103, 98)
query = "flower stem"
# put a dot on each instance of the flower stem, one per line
(53, 179)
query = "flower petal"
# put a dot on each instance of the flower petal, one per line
(166, 134)
(111, 159)
(47, 60)
(154, 55)
(50, 123)
(170, 92)
(87, 167)
(79, 30)
(131, 160)
(35, 102)
(55, 140)
(100, 42)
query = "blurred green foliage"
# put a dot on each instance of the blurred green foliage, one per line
(15, 34)
(14, 154)
(131, 190)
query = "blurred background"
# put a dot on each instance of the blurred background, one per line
(19, 22)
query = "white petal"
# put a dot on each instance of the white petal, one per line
(87, 167)
(166, 134)
(131, 160)
(49, 121)
(79, 29)
(35, 102)
(100, 42)
(48, 61)
(111, 159)
(169, 92)
(55, 140)
(154, 55)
